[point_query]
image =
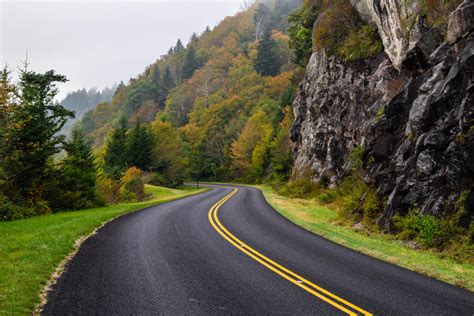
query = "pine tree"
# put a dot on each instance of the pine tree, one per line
(78, 174)
(189, 64)
(179, 46)
(167, 80)
(194, 38)
(156, 75)
(32, 136)
(115, 156)
(140, 148)
(267, 63)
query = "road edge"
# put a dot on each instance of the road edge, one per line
(60, 268)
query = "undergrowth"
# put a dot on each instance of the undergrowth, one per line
(355, 201)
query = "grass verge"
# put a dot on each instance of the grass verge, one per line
(31, 249)
(321, 221)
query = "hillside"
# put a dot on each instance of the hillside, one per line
(81, 101)
(196, 88)
(380, 127)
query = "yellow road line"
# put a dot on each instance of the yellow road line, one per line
(275, 267)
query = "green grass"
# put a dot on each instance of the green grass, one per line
(31, 249)
(321, 221)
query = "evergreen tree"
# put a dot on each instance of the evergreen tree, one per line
(194, 38)
(140, 148)
(31, 136)
(159, 95)
(120, 86)
(262, 20)
(156, 75)
(78, 174)
(189, 64)
(167, 80)
(179, 46)
(115, 156)
(267, 63)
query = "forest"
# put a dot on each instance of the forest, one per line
(217, 108)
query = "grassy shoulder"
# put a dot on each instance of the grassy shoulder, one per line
(320, 220)
(31, 249)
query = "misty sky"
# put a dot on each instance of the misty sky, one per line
(97, 43)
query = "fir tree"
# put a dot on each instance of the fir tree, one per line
(267, 63)
(115, 156)
(178, 47)
(78, 174)
(167, 80)
(189, 64)
(140, 147)
(31, 137)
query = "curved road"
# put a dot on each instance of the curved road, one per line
(227, 251)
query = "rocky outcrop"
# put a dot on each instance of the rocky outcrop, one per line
(394, 20)
(413, 115)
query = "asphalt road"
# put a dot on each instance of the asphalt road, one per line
(191, 257)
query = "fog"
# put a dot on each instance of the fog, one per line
(97, 43)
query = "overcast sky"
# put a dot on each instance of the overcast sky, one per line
(98, 43)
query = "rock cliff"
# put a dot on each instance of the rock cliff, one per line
(411, 108)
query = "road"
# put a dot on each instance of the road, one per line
(226, 251)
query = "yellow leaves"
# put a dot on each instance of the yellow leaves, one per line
(249, 150)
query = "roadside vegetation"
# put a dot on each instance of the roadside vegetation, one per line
(32, 248)
(311, 214)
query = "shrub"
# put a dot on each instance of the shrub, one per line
(327, 197)
(355, 158)
(437, 11)
(301, 188)
(361, 43)
(10, 211)
(334, 25)
(426, 229)
(340, 31)
(108, 190)
(131, 185)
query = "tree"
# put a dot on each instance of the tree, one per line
(140, 148)
(267, 63)
(280, 148)
(300, 26)
(190, 63)
(194, 38)
(250, 150)
(178, 47)
(77, 187)
(115, 155)
(261, 20)
(32, 135)
(167, 80)
(170, 159)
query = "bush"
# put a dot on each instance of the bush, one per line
(341, 32)
(334, 25)
(10, 211)
(426, 229)
(361, 43)
(300, 188)
(327, 197)
(108, 190)
(131, 185)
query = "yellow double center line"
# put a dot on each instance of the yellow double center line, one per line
(289, 275)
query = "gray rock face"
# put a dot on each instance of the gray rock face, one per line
(394, 21)
(416, 126)
(461, 21)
